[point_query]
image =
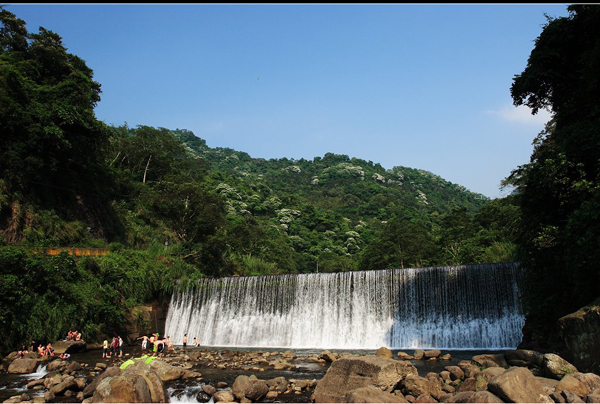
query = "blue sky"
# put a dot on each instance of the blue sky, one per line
(422, 86)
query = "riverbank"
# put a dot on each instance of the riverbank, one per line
(219, 365)
(222, 374)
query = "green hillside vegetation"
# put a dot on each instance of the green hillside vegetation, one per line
(171, 209)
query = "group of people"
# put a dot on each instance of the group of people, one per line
(195, 343)
(157, 345)
(73, 336)
(115, 348)
(42, 350)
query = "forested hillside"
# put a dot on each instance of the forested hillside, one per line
(169, 208)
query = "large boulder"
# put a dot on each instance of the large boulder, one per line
(518, 385)
(581, 384)
(69, 347)
(353, 372)
(249, 387)
(133, 385)
(371, 394)
(23, 365)
(581, 333)
(556, 367)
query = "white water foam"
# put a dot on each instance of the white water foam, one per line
(454, 307)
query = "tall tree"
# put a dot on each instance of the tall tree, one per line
(559, 189)
(51, 144)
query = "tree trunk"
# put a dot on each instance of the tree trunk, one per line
(146, 169)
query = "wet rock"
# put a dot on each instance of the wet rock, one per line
(518, 385)
(353, 372)
(22, 366)
(446, 357)
(222, 385)
(371, 394)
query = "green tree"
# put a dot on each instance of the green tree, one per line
(559, 189)
(402, 244)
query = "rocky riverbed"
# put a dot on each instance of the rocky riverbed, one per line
(244, 376)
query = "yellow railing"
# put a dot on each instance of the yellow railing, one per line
(77, 251)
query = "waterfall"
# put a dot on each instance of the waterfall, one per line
(453, 307)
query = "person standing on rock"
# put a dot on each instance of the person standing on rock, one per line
(104, 348)
(120, 346)
(169, 343)
(184, 340)
(144, 339)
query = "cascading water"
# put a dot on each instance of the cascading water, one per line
(454, 307)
